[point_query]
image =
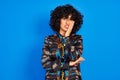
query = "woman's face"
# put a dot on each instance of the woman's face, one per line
(66, 23)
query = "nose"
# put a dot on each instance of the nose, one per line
(67, 21)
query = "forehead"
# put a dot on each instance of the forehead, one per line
(68, 16)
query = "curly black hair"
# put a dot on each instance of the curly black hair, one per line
(64, 11)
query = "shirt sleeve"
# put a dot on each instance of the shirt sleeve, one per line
(76, 47)
(49, 61)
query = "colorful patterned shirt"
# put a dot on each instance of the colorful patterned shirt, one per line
(58, 51)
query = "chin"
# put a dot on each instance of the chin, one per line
(65, 29)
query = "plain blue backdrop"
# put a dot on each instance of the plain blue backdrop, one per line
(25, 23)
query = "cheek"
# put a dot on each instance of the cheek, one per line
(72, 23)
(61, 22)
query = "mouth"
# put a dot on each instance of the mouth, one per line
(66, 26)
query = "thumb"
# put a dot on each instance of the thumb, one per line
(81, 59)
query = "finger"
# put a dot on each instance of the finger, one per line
(81, 59)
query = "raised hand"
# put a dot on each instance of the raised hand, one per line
(70, 27)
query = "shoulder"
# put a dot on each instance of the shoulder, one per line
(76, 37)
(51, 37)
(52, 40)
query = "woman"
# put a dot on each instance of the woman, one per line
(62, 51)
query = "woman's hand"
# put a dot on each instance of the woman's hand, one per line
(68, 32)
(75, 63)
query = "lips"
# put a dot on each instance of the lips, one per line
(66, 26)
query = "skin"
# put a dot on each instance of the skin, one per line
(66, 26)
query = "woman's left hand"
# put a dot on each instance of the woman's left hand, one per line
(75, 63)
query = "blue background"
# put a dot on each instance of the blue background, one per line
(25, 23)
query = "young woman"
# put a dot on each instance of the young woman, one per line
(62, 51)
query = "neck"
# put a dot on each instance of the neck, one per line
(62, 33)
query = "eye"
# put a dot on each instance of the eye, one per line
(72, 19)
(64, 18)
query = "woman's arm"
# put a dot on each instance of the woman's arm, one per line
(49, 61)
(76, 48)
